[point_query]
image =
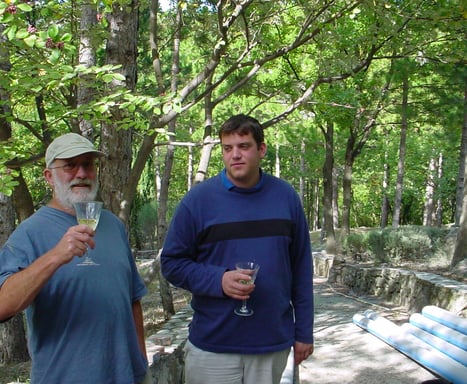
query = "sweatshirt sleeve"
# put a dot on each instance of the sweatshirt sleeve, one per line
(178, 259)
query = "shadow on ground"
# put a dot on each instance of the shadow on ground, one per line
(344, 353)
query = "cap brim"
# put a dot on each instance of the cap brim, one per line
(73, 152)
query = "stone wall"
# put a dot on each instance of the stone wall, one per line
(412, 290)
(165, 349)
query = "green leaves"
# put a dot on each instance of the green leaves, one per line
(7, 175)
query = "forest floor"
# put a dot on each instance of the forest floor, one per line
(154, 316)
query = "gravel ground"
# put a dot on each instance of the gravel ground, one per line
(345, 353)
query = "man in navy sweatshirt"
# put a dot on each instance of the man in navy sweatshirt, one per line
(242, 214)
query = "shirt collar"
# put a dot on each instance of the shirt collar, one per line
(232, 187)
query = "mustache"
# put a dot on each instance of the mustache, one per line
(86, 182)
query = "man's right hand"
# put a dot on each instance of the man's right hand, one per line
(234, 286)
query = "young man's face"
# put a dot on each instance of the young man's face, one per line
(74, 179)
(242, 158)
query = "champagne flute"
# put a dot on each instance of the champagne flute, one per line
(88, 213)
(246, 266)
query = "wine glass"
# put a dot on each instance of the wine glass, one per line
(88, 213)
(246, 266)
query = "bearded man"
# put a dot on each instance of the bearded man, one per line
(85, 323)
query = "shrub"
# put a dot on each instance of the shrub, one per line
(356, 246)
(146, 224)
(397, 245)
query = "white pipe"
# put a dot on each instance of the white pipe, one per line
(442, 345)
(451, 335)
(412, 347)
(447, 318)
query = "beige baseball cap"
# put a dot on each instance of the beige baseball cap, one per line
(67, 146)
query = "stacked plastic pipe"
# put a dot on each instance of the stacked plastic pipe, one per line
(436, 339)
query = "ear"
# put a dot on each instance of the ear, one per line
(262, 150)
(49, 177)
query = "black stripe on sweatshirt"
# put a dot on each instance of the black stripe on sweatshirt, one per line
(246, 230)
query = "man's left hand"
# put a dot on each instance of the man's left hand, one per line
(302, 351)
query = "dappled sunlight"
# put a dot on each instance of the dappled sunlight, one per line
(344, 353)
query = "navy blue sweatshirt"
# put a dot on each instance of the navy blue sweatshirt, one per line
(217, 225)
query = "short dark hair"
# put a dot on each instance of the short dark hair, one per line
(243, 125)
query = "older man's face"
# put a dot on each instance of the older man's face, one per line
(75, 179)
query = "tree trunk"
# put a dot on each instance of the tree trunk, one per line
(165, 292)
(208, 145)
(116, 143)
(277, 161)
(347, 185)
(328, 226)
(460, 250)
(301, 188)
(12, 334)
(316, 210)
(463, 156)
(385, 200)
(335, 198)
(402, 150)
(438, 215)
(189, 166)
(428, 210)
(164, 287)
(13, 347)
(87, 58)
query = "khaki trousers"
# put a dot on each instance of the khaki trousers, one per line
(202, 367)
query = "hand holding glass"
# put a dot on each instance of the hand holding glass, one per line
(246, 266)
(88, 213)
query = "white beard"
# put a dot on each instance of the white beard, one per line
(64, 194)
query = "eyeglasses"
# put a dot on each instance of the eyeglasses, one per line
(72, 167)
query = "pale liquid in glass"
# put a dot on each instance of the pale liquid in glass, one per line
(92, 223)
(246, 267)
(252, 281)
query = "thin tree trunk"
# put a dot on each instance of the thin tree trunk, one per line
(462, 157)
(208, 140)
(189, 170)
(402, 149)
(347, 185)
(277, 161)
(206, 151)
(429, 194)
(302, 174)
(328, 226)
(385, 199)
(335, 198)
(317, 200)
(460, 250)
(164, 286)
(438, 215)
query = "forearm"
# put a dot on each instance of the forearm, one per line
(139, 324)
(20, 289)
